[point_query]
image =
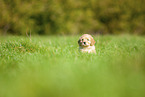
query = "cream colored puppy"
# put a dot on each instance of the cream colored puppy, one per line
(86, 44)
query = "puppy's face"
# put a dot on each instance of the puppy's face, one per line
(86, 40)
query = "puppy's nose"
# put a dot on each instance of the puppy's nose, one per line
(84, 42)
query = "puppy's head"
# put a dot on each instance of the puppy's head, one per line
(86, 40)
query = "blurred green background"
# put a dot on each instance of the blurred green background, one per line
(72, 17)
(48, 64)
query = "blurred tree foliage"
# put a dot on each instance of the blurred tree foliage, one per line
(72, 16)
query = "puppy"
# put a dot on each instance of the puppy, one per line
(86, 44)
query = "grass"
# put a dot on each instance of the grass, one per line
(52, 66)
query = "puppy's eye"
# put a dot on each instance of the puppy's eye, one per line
(82, 39)
(88, 39)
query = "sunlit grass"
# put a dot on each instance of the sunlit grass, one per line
(51, 66)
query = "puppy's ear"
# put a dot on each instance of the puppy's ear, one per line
(78, 41)
(92, 41)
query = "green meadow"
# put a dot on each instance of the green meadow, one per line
(52, 66)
